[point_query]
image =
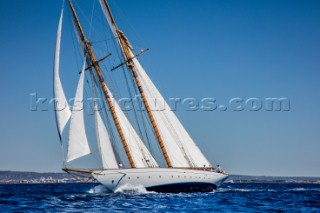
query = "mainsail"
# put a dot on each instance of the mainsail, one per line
(178, 145)
(78, 143)
(178, 142)
(62, 111)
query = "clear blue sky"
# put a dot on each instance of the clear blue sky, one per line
(198, 48)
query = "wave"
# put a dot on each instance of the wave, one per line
(231, 181)
(243, 190)
(303, 189)
(100, 189)
(222, 190)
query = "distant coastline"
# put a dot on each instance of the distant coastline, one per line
(16, 177)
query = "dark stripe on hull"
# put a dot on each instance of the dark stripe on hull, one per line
(183, 187)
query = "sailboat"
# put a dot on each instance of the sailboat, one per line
(185, 167)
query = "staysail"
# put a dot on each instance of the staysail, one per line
(106, 150)
(62, 111)
(108, 158)
(141, 155)
(78, 143)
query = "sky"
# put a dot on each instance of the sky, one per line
(198, 48)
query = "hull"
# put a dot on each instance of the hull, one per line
(165, 180)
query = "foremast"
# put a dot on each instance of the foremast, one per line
(126, 50)
(95, 65)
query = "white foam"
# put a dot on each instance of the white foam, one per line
(132, 189)
(100, 189)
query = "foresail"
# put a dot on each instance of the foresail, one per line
(181, 149)
(78, 143)
(62, 110)
(106, 150)
(141, 155)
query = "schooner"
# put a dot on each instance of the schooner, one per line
(185, 167)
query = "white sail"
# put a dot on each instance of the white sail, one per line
(62, 110)
(106, 150)
(178, 142)
(141, 155)
(78, 143)
(181, 149)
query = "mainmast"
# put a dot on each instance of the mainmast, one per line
(97, 69)
(126, 49)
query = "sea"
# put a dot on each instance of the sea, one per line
(92, 197)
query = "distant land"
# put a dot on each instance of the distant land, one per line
(14, 177)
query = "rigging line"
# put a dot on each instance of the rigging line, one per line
(75, 49)
(206, 148)
(109, 79)
(85, 91)
(127, 20)
(87, 19)
(101, 20)
(102, 41)
(90, 29)
(77, 176)
(112, 84)
(136, 33)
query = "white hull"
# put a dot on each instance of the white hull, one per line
(161, 179)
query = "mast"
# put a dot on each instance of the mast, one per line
(103, 85)
(126, 50)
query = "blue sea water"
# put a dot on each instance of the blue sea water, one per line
(230, 197)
